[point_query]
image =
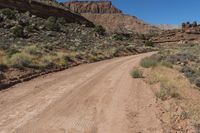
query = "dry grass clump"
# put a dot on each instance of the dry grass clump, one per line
(136, 73)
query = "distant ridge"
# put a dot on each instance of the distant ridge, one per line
(103, 12)
(90, 6)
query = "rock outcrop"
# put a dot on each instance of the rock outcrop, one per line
(112, 19)
(92, 7)
(45, 9)
(120, 23)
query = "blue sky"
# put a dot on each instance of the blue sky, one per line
(161, 11)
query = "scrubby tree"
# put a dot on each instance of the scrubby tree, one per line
(100, 30)
(183, 25)
(18, 31)
(8, 13)
(51, 24)
(194, 24)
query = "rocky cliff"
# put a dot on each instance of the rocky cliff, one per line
(44, 9)
(112, 19)
(120, 23)
(92, 7)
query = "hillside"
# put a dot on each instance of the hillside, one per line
(112, 19)
(31, 46)
(168, 26)
(187, 34)
(45, 9)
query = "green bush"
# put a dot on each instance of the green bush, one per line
(18, 31)
(61, 21)
(51, 24)
(11, 51)
(148, 62)
(21, 60)
(33, 50)
(167, 91)
(10, 14)
(136, 73)
(100, 30)
(167, 64)
(149, 44)
(2, 76)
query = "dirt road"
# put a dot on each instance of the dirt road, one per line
(93, 98)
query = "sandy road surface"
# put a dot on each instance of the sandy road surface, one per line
(93, 98)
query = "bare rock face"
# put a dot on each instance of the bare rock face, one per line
(120, 23)
(112, 19)
(92, 7)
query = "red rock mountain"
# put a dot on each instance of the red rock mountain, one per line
(92, 7)
(112, 19)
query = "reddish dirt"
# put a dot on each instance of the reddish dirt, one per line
(93, 98)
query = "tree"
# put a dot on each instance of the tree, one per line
(183, 25)
(194, 24)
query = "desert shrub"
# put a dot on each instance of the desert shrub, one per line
(18, 31)
(60, 59)
(2, 76)
(61, 21)
(162, 94)
(183, 25)
(21, 60)
(28, 28)
(189, 73)
(1, 18)
(3, 64)
(93, 58)
(8, 13)
(197, 82)
(48, 61)
(12, 50)
(167, 64)
(100, 30)
(148, 62)
(136, 73)
(195, 24)
(121, 37)
(51, 24)
(149, 44)
(167, 91)
(33, 50)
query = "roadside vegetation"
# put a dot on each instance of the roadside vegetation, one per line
(173, 74)
(136, 73)
(29, 44)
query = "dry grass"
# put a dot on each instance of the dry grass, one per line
(175, 85)
(136, 73)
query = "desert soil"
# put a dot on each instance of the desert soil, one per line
(92, 98)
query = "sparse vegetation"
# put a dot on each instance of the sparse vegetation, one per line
(18, 31)
(32, 44)
(166, 91)
(100, 30)
(186, 58)
(136, 73)
(8, 13)
(167, 64)
(51, 24)
(149, 44)
(149, 62)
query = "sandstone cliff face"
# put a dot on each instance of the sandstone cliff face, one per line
(112, 19)
(92, 7)
(120, 23)
(44, 9)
